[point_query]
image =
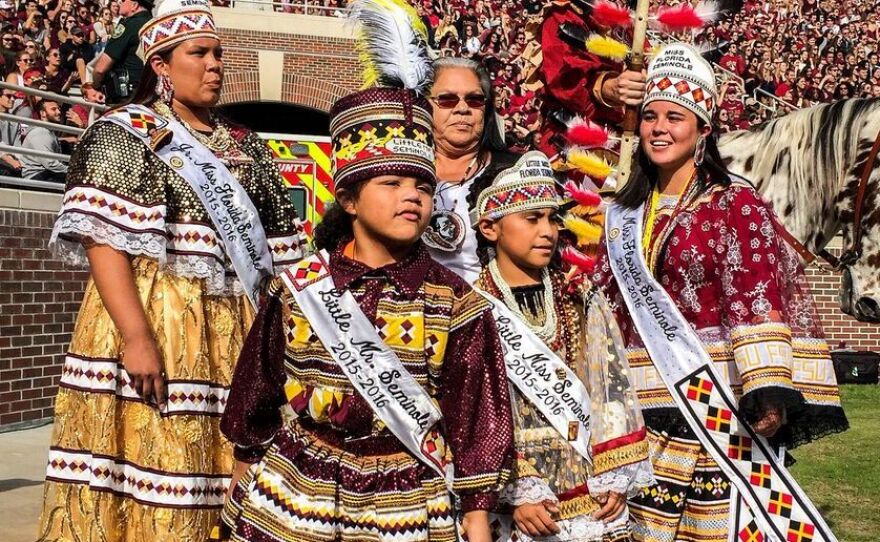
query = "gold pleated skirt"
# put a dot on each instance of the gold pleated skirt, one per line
(118, 469)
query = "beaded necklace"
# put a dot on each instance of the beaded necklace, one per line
(547, 330)
(652, 245)
(220, 142)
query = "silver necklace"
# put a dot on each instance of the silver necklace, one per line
(546, 331)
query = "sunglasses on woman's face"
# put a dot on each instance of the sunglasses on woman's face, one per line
(449, 101)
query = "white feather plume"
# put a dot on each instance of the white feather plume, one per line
(392, 44)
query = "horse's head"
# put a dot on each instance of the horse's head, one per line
(860, 287)
(808, 166)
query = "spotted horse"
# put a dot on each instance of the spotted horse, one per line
(819, 169)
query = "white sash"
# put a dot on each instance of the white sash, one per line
(543, 378)
(373, 368)
(769, 501)
(232, 211)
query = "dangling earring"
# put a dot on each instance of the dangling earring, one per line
(165, 88)
(700, 151)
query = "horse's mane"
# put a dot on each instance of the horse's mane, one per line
(818, 144)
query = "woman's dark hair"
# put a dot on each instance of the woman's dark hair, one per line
(145, 93)
(644, 175)
(335, 226)
(492, 138)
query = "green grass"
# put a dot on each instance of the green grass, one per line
(841, 473)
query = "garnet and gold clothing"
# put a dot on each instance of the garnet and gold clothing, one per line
(572, 77)
(718, 255)
(547, 467)
(330, 470)
(120, 470)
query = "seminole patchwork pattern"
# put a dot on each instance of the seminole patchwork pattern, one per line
(92, 375)
(364, 143)
(286, 249)
(514, 198)
(102, 473)
(751, 460)
(684, 91)
(284, 497)
(752, 357)
(112, 208)
(175, 27)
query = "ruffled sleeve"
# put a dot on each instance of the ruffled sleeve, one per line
(110, 199)
(476, 405)
(253, 414)
(753, 304)
(618, 436)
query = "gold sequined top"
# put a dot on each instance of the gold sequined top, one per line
(121, 194)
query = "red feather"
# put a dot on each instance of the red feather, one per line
(586, 134)
(610, 15)
(581, 196)
(681, 17)
(578, 259)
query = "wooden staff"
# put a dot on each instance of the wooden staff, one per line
(631, 116)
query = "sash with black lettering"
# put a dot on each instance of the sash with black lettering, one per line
(543, 378)
(373, 368)
(232, 211)
(767, 503)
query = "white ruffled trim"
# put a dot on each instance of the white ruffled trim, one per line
(220, 280)
(148, 244)
(527, 490)
(628, 480)
(581, 529)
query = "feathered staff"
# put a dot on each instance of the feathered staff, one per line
(631, 116)
(391, 44)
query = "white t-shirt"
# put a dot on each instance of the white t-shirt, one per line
(464, 261)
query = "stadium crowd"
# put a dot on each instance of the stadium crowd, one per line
(774, 55)
(793, 54)
(49, 46)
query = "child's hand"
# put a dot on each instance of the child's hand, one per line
(613, 504)
(476, 526)
(535, 519)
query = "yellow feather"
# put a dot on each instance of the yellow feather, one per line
(607, 47)
(589, 163)
(587, 232)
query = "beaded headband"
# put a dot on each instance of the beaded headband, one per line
(177, 21)
(679, 74)
(528, 185)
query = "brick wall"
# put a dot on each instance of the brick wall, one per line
(838, 326)
(39, 299)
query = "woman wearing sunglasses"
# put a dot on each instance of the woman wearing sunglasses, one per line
(469, 146)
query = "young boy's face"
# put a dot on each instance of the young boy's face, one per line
(392, 209)
(528, 239)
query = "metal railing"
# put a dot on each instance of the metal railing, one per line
(43, 186)
(42, 124)
(301, 8)
(20, 182)
(60, 98)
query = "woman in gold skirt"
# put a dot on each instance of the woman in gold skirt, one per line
(136, 452)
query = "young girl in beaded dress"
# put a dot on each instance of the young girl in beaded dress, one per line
(568, 485)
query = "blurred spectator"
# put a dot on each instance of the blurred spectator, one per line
(118, 69)
(56, 76)
(9, 135)
(103, 29)
(42, 139)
